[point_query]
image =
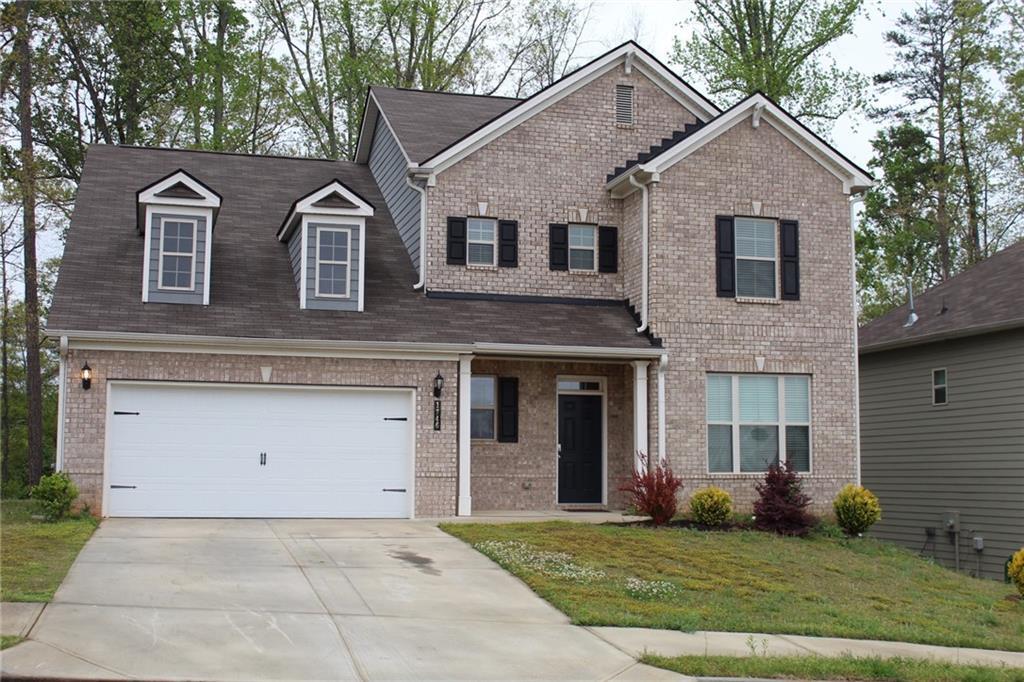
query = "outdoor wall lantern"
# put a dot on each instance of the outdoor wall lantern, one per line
(438, 385)
(86, 376)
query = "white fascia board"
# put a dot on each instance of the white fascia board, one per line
(305, 207)
(208, 200)
(132, 341)
(561, 89)
(853, 178)
(367, 128)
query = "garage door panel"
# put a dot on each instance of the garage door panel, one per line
(196, 451)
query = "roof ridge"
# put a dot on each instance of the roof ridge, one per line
(444, 92)
(221, 152)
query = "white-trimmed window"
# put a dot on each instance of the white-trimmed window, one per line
(177, 254)
(940, 389)
(583, 247)
(756, 256)
(483, 407)
(481, 241)
(756, 420)
(333, 261)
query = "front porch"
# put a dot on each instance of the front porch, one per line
(550, 435)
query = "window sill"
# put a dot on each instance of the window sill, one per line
(747, 474)
(625, 126)
(478, 266)
(585, 273)
(758, 301)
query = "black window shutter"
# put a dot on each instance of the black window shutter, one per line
(607, 249)
(725, 256)
(456, 241)
(508, 410)
(790, 238)
(559, 240)
(508, 243)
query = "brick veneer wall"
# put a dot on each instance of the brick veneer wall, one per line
(436, 451)
(523, 475)
(702, 332)
(542, 172)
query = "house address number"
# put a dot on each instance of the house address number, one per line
(437, 415)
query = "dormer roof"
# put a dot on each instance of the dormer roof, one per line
(334, 198)
(179, 188)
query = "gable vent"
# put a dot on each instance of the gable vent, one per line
(624, 104)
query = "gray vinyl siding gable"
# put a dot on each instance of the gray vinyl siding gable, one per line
(295, 257)
(923, 460)
(313, 302)
(157, 295)
(388, 165)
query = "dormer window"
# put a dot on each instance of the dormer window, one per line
(326, 236)
(176, 215)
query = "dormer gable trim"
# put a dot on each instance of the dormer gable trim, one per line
(637, 57)
(180, 189)
(333, 199)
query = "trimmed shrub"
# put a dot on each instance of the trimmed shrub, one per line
(711, 506)
(55, 494)
(1017, 570)
(856, 509)
(653, 491)
(782, 505)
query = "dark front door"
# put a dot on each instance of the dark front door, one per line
(579, 458)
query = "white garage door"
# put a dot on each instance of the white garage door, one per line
(258, 451)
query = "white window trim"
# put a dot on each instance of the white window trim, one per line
(353, 223)
(774, 260)
(493, 243)
(347, 263)
(572, 248)
(160, 256)
(174, 212)
(780, 423)
(493, 408)
(945, 375)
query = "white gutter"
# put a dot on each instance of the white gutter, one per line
(662, 367)
(645, 248)
(423, 232)
(62, 374)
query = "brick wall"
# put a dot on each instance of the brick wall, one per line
(436, 451)
(705, 333)
(543, 172)
(523, 475)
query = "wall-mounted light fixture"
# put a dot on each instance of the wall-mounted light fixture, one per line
(438, 385)
(86, 376)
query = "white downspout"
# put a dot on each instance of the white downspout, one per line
(643, 256)
(856, 350)
(662, 367)
(423, 232)
(62, 390)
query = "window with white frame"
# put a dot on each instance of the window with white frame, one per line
(333, 261)
(583, 247)
(483, 407)
(756, 420)
(177, 254)
(939, 387)
(755, 257)
(481, 241)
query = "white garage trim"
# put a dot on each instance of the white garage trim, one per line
(411, 392)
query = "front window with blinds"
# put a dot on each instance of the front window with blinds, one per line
(483, 398)
(624, 104)
(755, 257)
(583, 247)
(756, 420)
(482, 241)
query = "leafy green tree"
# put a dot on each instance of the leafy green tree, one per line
(776, 47)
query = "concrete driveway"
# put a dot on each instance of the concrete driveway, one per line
(233, 599)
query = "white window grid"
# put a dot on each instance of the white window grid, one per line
(492, 242)
(492, 407)
(774, 259)
(347, 262)
(592, 229)
(190, 254)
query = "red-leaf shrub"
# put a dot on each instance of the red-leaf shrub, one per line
(653, 491)
(782, 506)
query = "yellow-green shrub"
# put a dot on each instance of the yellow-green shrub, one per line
(856, 509)
(1017, 570)
(711, 506)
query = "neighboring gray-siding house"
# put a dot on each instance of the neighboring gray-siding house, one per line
(942, 418)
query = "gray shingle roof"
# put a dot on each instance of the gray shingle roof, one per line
(427, 122)
(987, 296)
(253, 292)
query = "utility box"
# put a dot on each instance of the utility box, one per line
(951, 522)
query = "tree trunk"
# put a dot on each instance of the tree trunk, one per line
(33, 376)
(5, 405)
(223, 14)
(942, 201)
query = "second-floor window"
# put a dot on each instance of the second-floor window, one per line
(481, 242)
(939, 387)
(333, 260)
(755, 258)
(177, 254)
(583, 247)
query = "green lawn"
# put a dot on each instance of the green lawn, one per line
(845, 668)
(8, 640)
(35, 555)
(747, 581)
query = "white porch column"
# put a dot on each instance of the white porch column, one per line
(465, 507)
(640, 446)
(662, 451)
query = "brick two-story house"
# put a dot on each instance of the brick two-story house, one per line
(499, 304)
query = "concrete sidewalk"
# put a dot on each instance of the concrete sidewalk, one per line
(637, 641)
